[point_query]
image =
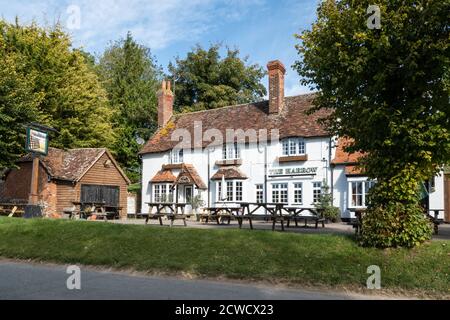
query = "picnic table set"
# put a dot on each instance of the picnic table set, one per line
(12, 209)
(244, 211)
(92, 211)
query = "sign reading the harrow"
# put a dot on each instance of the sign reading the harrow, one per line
(37, 141)
(292, 171)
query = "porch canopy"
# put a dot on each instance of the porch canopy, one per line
(229, 173)
(189, 176)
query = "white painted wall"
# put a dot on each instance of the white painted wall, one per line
(253, 159)
(437, 197)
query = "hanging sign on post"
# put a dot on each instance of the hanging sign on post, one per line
(37, 141)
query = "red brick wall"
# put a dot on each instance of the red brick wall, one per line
(17, 183)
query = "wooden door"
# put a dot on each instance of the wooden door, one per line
(447, 198)
(100, 194)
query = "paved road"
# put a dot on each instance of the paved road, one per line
(32, 281)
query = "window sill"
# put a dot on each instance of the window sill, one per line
(172, 166)
(303, 157)
(230, 162)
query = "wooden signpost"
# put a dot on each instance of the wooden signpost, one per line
(37, 145)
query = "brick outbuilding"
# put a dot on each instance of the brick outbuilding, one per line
(68, 176)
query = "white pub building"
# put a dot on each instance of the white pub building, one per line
(270, 151)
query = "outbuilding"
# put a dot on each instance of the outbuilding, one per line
(68, 177)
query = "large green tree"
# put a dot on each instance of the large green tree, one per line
(18, 106)
(205, 80)
(72, 99)
(131, 77)
(388, 89)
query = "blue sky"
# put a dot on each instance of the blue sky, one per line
(262, 29)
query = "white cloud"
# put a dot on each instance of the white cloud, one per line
(296, 89)
(156, 23)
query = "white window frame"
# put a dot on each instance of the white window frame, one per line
(230, 190)
(156, 196)
(163, 189)
(279, 189)
(357, 193)
(176, 156)
(316, 189)
(234, 190)
(285, 147)
(231, 151)
(238, 190)
(365, 183)
(298, 186)
(259, 193)
(293, 147)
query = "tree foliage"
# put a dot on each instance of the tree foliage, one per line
(204, 80)
(388, 89)
(18, 105)
(70, 96)
(131, 77)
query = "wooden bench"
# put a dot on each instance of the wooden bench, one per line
(315, 219)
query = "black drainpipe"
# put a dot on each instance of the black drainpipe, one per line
(332, 170)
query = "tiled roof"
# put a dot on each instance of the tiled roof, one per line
(164, 176)
(343, 157)
(292, 121)
(71, 164)
(229, 172)
(353, 171)
(188, 171)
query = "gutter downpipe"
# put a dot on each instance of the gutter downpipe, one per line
(265, 175)
(209, 179)
(331, 171)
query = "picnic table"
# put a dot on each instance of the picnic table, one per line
(171, 214)
(220, 214)
(357, 223)
(246, 211)
(100, 210)
(295, 215)
(435, 219)
(274, 209)
(12, 209)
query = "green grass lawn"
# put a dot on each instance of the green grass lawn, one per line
(303, 259)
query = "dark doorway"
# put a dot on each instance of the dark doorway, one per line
(188, 194)
(109, 195)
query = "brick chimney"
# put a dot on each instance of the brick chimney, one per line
(165, 104)
(276, 86)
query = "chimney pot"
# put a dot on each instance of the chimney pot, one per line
(276, 85)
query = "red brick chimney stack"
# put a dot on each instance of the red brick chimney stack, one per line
(165, 104)
(276, 86)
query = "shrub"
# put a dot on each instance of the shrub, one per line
(325, 204)
(332, 213)
(395, 225)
